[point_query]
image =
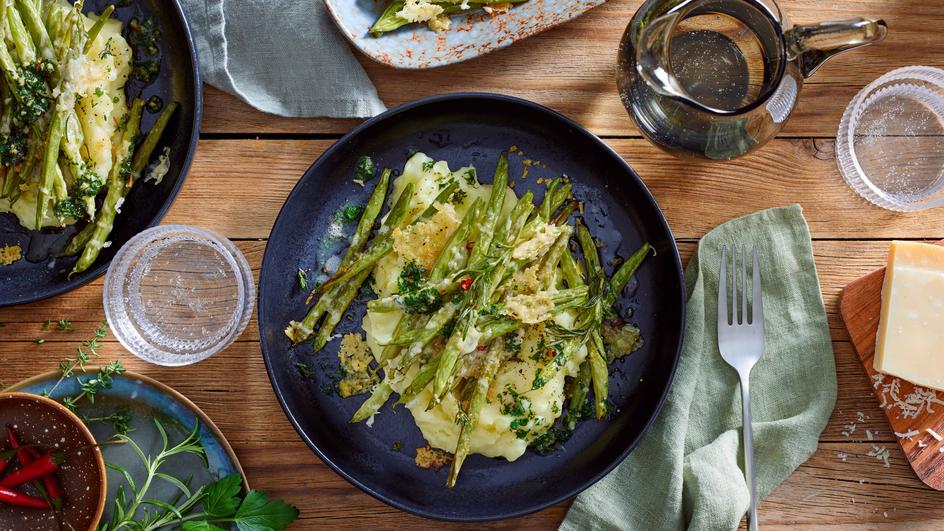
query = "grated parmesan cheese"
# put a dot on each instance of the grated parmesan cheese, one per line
(419, 11)
(881, 453)
(907, 435)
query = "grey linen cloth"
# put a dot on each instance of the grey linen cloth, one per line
(283, 57)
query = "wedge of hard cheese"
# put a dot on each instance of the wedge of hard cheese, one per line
(910, 341)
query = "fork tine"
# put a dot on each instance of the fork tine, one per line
(723, 290)
(757, 306)
(734, 285)
(743, 252)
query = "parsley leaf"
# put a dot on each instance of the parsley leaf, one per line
(259, 513)
(222, 497)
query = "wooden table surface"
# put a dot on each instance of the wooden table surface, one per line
(248, 161)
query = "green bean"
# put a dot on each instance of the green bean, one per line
(50, 164)
(590, 255)
(25, 49)
(433, 327)
(599, 373)
(420, 380)
(299, 332)
(447, 364)
(578, 396)
(619, 279)
(143, 154)
(79, 241)
(522, 208)
(116, 190)
(548, 269)
(455, 246)
(572, 273)
(469, 419)
(492, 210)
(340, 300)
(561, 217)
(33, 22)
(373, 403)
(97, 28)
(390, 351)
(544, 212)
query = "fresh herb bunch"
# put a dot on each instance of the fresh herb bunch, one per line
(205, 509)
(90, 387)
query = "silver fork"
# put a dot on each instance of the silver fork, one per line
(741, 342)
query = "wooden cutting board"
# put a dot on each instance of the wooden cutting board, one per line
(916, 408)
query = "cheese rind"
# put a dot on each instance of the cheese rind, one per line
(910, 340)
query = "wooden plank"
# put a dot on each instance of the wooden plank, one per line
(572, 69)
(247, 181)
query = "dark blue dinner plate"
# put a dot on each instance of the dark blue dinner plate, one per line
(39, 274)
(471, 129)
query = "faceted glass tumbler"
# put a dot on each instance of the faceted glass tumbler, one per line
(890, 145)
(175, 295)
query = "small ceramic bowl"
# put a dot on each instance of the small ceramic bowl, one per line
(46, 423)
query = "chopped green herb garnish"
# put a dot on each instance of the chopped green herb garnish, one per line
(428, 165)
(470, 177)
(365, 169)
(303, 280)
(304, 370)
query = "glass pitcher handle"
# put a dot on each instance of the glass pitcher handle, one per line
(812, 45)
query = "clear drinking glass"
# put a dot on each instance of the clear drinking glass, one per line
(890, 145)
(175, 295)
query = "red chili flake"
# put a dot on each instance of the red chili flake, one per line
(465, 283)
(550, 353)
(469, 245)
(481, 348)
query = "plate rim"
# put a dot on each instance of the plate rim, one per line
(339, 145)
(489, 46)
(99, 268)
(164, 388)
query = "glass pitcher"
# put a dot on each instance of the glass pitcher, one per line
(717, 79)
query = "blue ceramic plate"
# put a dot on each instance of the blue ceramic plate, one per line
(146, 399)
(471, 35)
(471, 129)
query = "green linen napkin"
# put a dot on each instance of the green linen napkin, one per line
(686, 472)
(281, 56)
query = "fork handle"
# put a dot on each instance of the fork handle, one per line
(749, 451)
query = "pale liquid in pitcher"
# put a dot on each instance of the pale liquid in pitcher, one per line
(719, 60)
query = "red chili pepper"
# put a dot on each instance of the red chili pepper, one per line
(465, 283)
(26, 456)
(53, 489)
(3, 464)
(13, 497)
(45, 465)
(22, 455)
